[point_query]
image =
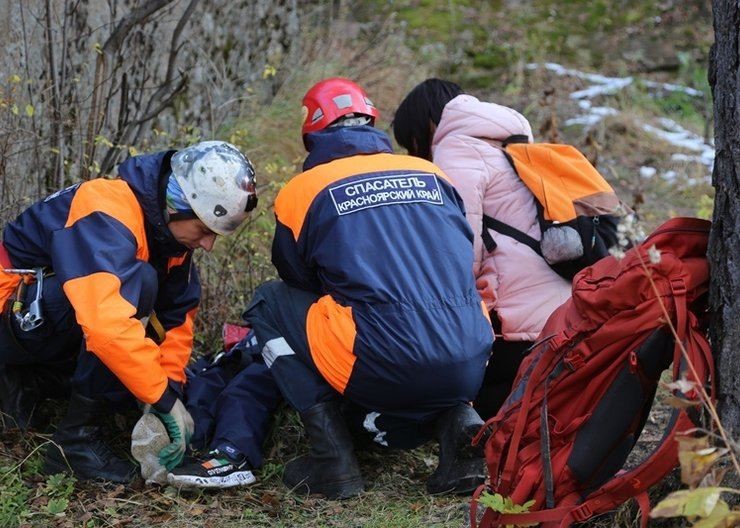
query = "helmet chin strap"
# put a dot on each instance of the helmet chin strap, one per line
(251, 203)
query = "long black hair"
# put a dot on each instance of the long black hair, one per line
(421, 107)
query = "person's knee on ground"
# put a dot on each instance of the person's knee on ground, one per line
(461, 466)
(330, 468)
(277, 313)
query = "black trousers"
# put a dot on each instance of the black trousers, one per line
(500, 374)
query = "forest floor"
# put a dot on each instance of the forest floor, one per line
(626, 84)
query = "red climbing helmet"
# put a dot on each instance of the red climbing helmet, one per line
(330, 99)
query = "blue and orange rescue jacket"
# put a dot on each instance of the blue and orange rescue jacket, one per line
(108, 242)
(383, 239)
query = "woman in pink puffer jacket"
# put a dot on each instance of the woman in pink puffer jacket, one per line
(463, 136)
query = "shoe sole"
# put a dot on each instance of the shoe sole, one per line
(238, 478)
(474, 476)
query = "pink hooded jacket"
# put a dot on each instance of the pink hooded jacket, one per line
(513, 280)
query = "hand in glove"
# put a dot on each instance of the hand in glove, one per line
(180, 427)
(148, 438)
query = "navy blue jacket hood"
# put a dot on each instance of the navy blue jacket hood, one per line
(341, 142)
(147, 176)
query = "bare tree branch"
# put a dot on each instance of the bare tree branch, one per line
(111, 156)
(112, 45)
(174, 49)
(56, 125)
(28, 74)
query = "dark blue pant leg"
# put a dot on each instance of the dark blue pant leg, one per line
(57, 340)
(94, 380)
(202, 393)
(386, 430)
(277, 313)
(231, 400)
(243, 412)
(44, 357)
(58, 343)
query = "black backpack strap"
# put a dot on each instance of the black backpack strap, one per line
(516, 138)
(506, 229)
(488, 241)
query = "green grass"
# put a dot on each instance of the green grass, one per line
(395, 494)
(13, 496)
(39, 505)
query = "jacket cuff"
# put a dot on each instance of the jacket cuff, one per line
(165, 403)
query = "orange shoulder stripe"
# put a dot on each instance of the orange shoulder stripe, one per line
(295, 199)
(116, 199)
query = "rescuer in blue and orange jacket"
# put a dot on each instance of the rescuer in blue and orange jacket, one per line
(113, 260)
(377, 309)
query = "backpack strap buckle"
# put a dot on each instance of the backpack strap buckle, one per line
(582, 513)
(574, 360)
(678, 287)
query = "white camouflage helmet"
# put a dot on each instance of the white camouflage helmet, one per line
(218, 183)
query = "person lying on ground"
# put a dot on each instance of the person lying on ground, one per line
(231, 398)
(104, 290)
(376, 306)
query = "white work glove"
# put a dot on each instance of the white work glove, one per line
(179, 425)
(148, 438)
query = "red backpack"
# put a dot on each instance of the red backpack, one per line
(581, 398)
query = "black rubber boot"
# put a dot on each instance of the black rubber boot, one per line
(83, 451)
(19, 397)
(330, 468)
(461, 466)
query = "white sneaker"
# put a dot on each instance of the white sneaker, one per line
(216, 470)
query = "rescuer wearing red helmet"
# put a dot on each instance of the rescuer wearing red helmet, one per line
(335, 98)
(377, 308)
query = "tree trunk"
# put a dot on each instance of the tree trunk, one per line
(724, 243)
